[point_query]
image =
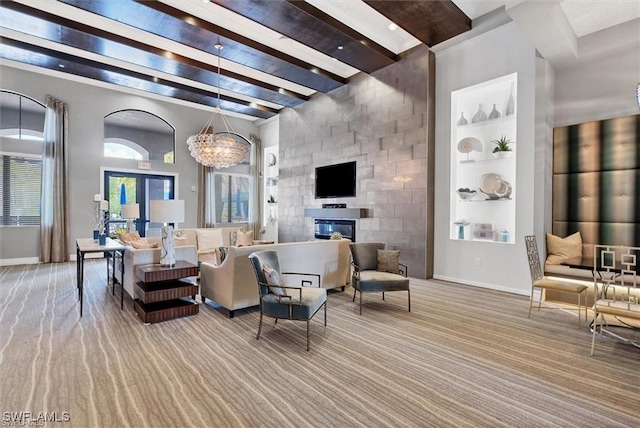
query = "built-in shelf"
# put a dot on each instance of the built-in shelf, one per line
(335, 212)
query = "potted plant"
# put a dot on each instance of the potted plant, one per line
(502, 149)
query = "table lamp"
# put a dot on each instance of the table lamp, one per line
(130, 212)
(165, 212)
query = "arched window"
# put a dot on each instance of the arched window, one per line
(21, 137)
(139, 135)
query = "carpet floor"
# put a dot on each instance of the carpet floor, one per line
(463, 357)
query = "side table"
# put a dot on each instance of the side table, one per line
(161, 291)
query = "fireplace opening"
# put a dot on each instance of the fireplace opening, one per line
(325, 227)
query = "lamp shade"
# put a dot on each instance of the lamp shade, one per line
(167, 211)
(130, 211)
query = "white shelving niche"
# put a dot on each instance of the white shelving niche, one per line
(488, 216)
(270, 211)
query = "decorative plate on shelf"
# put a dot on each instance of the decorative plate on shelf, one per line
(469, 144)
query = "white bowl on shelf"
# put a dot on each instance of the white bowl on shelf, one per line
(465, 196)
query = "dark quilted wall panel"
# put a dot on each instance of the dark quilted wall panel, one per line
(596, 181)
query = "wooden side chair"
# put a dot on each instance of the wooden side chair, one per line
(540, 282)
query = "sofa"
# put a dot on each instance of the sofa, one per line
(232, 283)
(186, 246)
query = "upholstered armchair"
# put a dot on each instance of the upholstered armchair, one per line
(377, 270)
(278, 300)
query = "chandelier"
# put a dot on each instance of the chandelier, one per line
(220, 149)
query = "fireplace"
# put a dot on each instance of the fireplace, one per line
(324, 227)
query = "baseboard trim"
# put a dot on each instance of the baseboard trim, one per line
(20, 261)
(483, 285)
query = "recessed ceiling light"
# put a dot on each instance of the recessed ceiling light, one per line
(340, 47)
(392, 27)
(61, 65)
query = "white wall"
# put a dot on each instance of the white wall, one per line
(498, 52)
(87, 107)
(602, 85)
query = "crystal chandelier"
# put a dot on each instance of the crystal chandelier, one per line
(220, 149)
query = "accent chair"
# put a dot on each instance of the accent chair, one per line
(377, 270)
(278, 300)
(539, 281)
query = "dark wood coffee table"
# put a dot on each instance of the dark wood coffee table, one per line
(163, 292)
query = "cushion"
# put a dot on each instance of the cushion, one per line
(142, 244)
(209, 238)
(388, 261)
(127, 238)
(273, 278)
(560, 250)
(233, 237)
(244, 239)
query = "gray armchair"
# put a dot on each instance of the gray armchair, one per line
(278, 300)
(368, 279)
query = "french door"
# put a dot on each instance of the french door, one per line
(133, 188)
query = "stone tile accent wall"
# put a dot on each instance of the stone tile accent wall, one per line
(380, 121)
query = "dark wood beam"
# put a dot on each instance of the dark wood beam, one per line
(302, 22)
(430, 21)
(26, 53)
(165, 21)
(71, 33)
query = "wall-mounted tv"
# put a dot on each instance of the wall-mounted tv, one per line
(336, 181)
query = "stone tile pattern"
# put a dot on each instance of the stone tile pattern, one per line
(380, 121)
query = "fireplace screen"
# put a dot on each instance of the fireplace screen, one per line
(324, 228)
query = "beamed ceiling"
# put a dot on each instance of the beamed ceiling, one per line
(276, 53)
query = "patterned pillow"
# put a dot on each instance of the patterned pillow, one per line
(233, 237)
(273, 278)
(244, 239)
(388, 261)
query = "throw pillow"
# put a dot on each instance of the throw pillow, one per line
(273, 278)
(209, 238)
(233, 237)
(128, 238)
(143, 244)
(244, 239)
(560, 250)
(222, 253)
(388, 261)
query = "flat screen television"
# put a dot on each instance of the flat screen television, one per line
(336, 181)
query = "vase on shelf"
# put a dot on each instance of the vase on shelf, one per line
(511, 103)
(494, 113)
(480, 115)
(102, 239)
(463, 120)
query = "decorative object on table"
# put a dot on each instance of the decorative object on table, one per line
(462, 121)
(489, 183)
(461, 223)
(511, 103)
(336, 236)
(468, 145)
(502, 148)
(480, 115)
(465, 194)
(504, 235)
(271, 200)
(220, 149)
(494, 114)
(165, 212)
(130, 212)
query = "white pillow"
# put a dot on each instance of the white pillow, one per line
(273, 278)
(244, 239)
(209, 238)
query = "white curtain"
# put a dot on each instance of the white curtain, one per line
(54, 206)
(206, 215)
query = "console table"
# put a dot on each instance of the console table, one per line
(88, 245)
(161, 290)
